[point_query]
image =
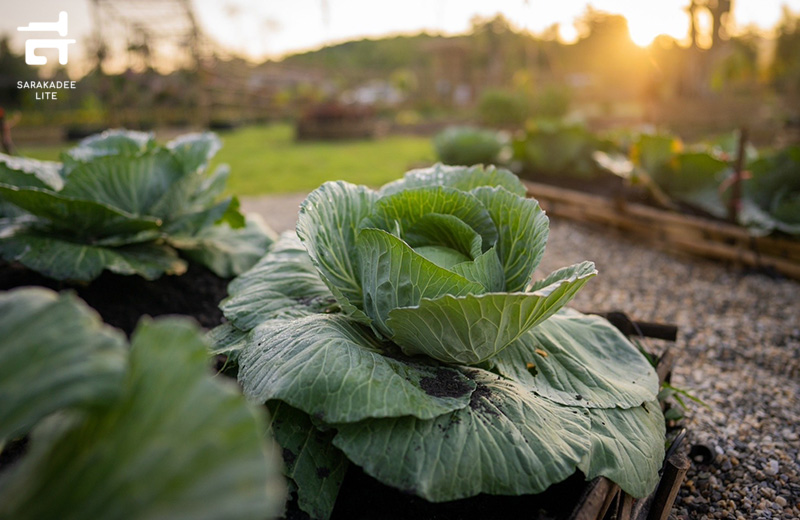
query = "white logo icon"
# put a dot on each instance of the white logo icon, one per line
(61, 44)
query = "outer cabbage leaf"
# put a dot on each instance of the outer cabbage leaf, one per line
(464, 178)
(283, 284)
(688, 172)
(110, 142)
(771, 198)
(471, 329)
(227, 340)
(176, 444)
(64, 260)
(394, 275)
(406, 208)
(226, 251)
(580, 360)
(335, 370)
(211, 187)
(193, 151)
(311, 462)
(130, 183)
(327, 226)
(523, 228)
(627, 447)
(55, 354)
(76, 216)
(25, 172)
(196, 220)
(508, 441)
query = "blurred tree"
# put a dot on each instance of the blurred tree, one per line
(785, 64)
(720, 16)
(737, 69)
(493, 43)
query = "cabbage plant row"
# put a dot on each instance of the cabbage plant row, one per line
(699, 175)
(400, 330)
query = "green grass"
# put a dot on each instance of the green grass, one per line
(44, 153)
(266, 159)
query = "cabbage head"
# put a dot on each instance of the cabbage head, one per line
(401, 330)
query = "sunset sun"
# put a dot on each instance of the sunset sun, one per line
(645, 25)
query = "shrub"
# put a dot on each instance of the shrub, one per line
(467, 145)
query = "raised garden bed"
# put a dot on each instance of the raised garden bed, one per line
(333, 121)
(673, 231)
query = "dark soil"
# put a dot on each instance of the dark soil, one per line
(362, 498)
(13, 451)
(445, 383)
(122, 300)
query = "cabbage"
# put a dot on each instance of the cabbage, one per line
(121, 202)
(402, 330)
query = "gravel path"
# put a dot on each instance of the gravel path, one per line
(739, 345)
(739, 351)
(279, 211)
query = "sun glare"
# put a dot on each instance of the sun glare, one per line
(645, 24)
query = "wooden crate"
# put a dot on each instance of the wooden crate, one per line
(671, 230)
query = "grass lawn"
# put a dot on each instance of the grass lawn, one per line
(266, 159)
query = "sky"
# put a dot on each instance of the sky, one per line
(260, 29)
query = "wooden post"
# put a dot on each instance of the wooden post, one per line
(736, 187)
(674, 472)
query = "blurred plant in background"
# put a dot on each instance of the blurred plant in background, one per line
(466, 145)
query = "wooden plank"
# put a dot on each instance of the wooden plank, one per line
(664, 367)
(704, 237)
(595, 500)
(573, 197)
(625, 508)
(725, 252)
